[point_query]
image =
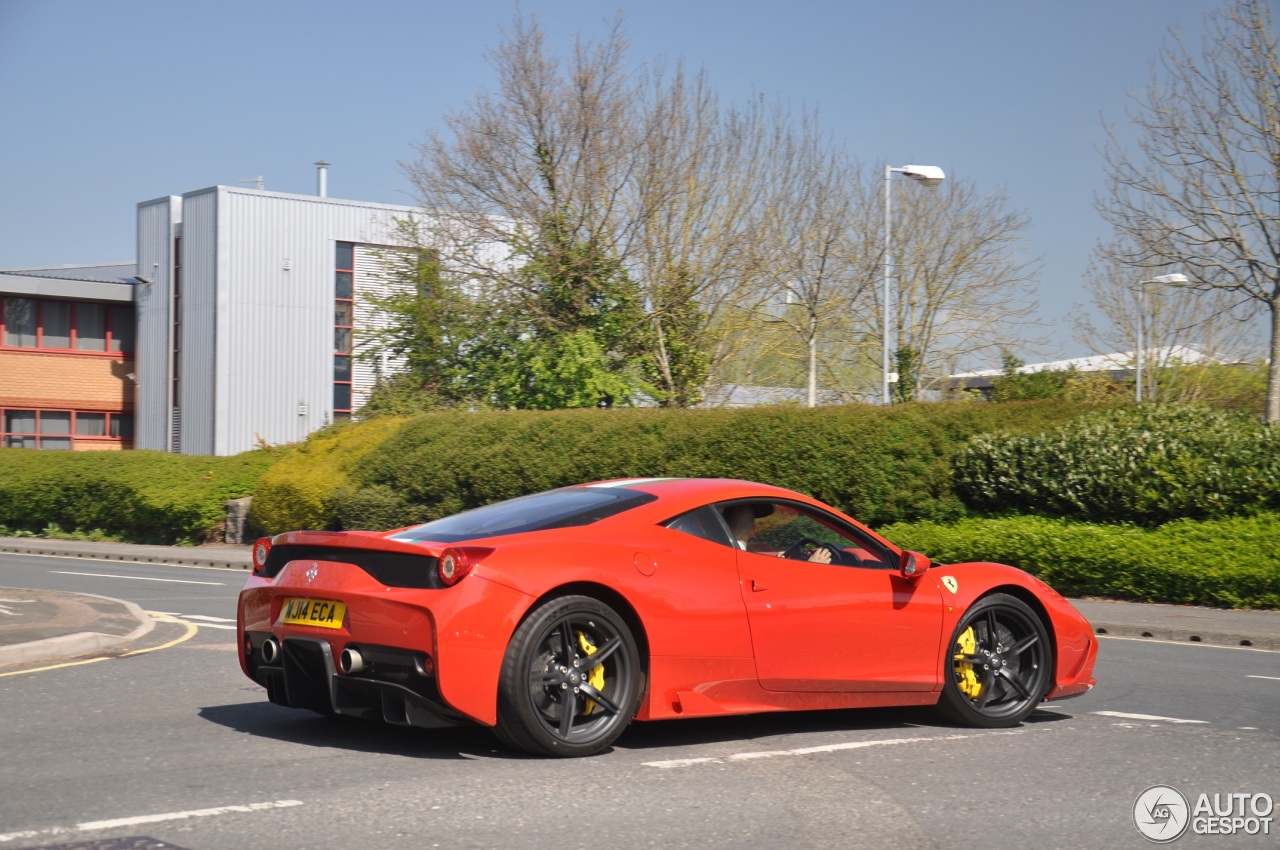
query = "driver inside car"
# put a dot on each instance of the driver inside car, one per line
(742, 522)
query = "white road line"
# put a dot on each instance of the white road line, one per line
(138, 578)
(804, 751)
(1272, 678)
(143, 819)
(204, 621)
(1187, 643)
(1128, 716)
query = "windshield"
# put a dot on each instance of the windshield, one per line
(569, 506)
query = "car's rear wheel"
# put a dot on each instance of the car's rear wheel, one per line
(571, 679)
(998, 664)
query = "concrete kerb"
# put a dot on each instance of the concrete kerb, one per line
(228, 557)
(78, 643)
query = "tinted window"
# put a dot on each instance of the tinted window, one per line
(122, 328)
(20, 322)
(570, 506)
(774, 528)
(57, 324)
(91, 327)
(704, 522)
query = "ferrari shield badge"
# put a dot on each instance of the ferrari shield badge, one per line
(950, 583)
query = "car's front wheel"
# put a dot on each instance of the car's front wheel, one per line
(571, 679)
(998, 664)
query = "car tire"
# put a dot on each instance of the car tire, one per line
(998, 664)
(545, 691)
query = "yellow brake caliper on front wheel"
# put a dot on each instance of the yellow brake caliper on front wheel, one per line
(596, 677)
(967, 645)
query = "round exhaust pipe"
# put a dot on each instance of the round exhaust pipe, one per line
(270, 650)
(351, 661)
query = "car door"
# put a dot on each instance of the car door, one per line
(851, 625)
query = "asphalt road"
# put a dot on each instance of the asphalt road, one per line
(175, 743)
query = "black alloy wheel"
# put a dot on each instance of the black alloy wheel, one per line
(998, 664)
(571, 679)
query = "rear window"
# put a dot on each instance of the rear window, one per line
(570, 506)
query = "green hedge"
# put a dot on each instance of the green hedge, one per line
(1146, 464)
(301, 490)
(139, 496)
(879, 464)
(1233, 562)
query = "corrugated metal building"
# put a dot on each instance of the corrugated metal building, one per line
(245, 328)
(238, 326)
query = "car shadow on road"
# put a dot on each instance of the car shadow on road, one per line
(297, 726)
(705, 730)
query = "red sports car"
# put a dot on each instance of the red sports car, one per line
(558, 617)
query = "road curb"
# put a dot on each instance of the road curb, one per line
(77, 643)
(231, 559)
(1206, 637)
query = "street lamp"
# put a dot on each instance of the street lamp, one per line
(1164, 279)
(928, 175)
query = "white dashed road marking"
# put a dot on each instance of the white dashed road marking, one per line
(116, 823)
(1272, 678)
(804, 751)
(138, 578)
(1128, 716)
(204, 621)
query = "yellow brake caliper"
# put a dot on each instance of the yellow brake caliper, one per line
(596, 677)
(967, 645)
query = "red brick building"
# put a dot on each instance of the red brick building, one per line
(66, 358)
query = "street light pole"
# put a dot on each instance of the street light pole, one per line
(928, 175)
(1164, 279)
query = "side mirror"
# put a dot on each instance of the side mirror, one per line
(912, 565)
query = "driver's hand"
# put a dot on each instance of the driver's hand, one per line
(821, 555)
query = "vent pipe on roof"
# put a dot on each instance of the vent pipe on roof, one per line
(322, 178)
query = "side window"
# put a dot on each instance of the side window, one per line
(789, 530)
(703, 522)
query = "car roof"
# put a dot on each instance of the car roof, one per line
(699, 490)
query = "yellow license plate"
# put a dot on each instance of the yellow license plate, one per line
(323, 613)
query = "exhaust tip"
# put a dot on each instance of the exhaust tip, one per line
(270, 650)
(351, 661)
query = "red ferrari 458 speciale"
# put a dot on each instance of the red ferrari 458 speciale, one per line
(557, 618)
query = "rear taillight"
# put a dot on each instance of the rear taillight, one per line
(456, 562)
(261, 550)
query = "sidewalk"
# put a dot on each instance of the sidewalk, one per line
(38, 625)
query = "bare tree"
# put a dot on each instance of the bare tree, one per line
(961, 292)
(1169, 327)
(646, 176)
(717, 218)
(1200, 192)
(812, 245)
(695, 231)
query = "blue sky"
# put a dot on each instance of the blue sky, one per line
(105, 104)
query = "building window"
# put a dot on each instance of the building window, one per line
(344, 311)
(60, 429)
(85, 326)
(20, 322)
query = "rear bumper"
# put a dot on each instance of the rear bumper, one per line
(398, 686)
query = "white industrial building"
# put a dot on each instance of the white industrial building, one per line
(247, 305)
(250, 306)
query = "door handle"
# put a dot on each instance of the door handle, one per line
(756, 587)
